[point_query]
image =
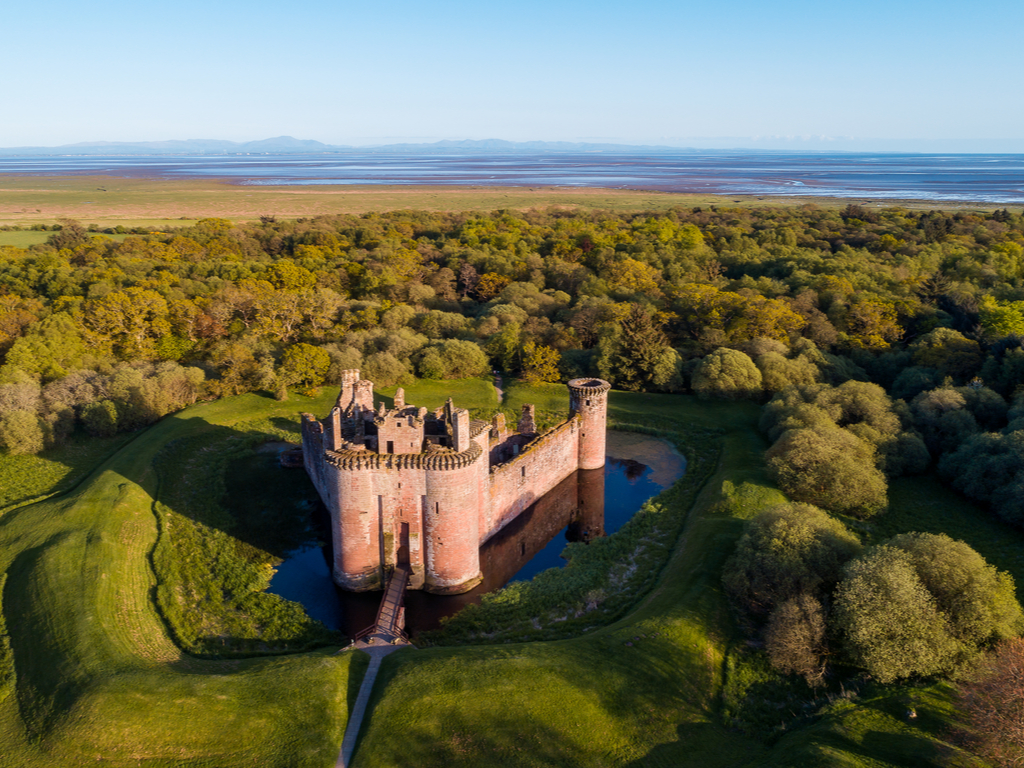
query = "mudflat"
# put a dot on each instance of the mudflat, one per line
(136, 201)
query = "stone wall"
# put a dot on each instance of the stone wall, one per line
(518, 483)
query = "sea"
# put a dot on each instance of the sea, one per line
(943, 178)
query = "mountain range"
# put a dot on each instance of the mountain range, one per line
(289, 145)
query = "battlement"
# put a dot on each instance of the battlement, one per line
(407, 486)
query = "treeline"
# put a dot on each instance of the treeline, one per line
(719, 301)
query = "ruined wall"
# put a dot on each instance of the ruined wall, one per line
(518, 483)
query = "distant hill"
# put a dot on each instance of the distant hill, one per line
(290, 145)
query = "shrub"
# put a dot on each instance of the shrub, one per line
(785, 551)
(727, 373)
(828, 467)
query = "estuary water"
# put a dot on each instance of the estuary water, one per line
(993, 178)
(584, 505)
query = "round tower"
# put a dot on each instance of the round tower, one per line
(588, 398)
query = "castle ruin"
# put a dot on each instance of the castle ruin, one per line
(407, 486)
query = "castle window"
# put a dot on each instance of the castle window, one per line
(391, 446)
(588, 402)
(398, 424)
(437, 507)
(523, 470)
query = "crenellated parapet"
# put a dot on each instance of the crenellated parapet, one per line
(432, 460)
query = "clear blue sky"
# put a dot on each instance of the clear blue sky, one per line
(937, 72)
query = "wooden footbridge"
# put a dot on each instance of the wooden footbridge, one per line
(387, 634)
(390, 623)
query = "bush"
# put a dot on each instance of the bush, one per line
(828, 467)
(922, 604)
(787, 551)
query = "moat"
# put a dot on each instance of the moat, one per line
(586, 504)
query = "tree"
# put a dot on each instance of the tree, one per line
(452, 359)
(922, 604)
(795, 638)
(993, 703)
(727, 373)
(888, 622)
(540, 363)
(21, 432)
(948, 352)
(828, 467)
(786, 551)
(305, 365)
(71, 235)
(1000, 319)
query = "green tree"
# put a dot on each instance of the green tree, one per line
(922, 604)
(727, 373)
(786, 551)
(306, 366)
(828, 467)
(21, 432)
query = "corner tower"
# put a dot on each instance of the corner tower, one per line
(588, 399)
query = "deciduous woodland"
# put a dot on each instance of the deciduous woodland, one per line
(846, 361)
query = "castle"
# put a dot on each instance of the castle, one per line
(406, 486)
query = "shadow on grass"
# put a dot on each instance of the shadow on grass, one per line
(46, 690)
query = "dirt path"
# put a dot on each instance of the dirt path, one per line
(497, 385)
(377, 652)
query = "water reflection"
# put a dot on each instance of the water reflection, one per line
(587, 504)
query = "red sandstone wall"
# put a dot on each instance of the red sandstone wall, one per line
(355, 528)
(450, 528)
(374, 498)
(519, 483)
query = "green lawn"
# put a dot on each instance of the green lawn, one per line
(652, 688)
(99, 680)
(97, 675)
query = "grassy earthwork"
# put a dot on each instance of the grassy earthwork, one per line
(97, 678)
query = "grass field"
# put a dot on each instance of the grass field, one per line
(97, 679)
(650, 689)
(165, 203)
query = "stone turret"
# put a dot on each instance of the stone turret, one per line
(588, 399)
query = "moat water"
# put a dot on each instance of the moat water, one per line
(584, 505)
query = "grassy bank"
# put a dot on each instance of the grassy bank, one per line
(165, 203)
(97, 676)
(671, 683)
(89, 671)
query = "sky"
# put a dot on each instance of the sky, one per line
(902, 74)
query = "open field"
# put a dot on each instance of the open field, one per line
(105, 200)
(98, 679)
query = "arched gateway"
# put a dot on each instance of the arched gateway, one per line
(407, 485)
